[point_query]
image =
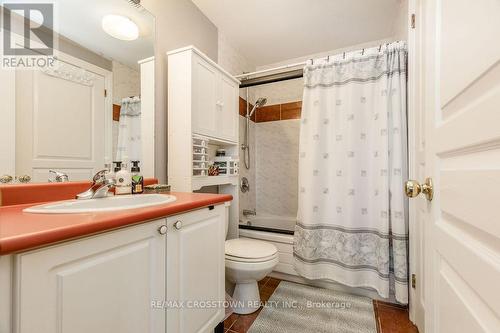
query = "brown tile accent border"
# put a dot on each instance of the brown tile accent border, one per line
(291, 110)
(116, 112)
(268, 113)
(273, 112)
(243, 109)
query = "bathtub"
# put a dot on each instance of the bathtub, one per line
(277, 230)
(275, 224)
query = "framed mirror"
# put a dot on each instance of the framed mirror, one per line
(91, 103)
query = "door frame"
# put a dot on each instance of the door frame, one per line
(414, 104)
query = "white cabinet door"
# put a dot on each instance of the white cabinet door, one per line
(204, 99)
(105, 283)
(195, 270)
(227, 115)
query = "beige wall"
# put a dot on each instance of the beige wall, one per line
(69, 47)
(178, 23)
(401, 23)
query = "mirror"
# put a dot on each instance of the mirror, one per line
(78, 89)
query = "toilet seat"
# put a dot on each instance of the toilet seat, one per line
(250, 250)
(251, 260)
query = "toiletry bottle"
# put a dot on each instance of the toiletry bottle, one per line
(137, 179)
(123, 181)
(109, 171)
(117, 167)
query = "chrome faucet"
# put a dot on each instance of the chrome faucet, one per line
(100, 187)
(247, 212)
(60, 177)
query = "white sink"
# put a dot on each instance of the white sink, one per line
(112, 203)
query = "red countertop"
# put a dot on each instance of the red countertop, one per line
(21, 231)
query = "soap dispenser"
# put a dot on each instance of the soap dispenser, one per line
(137, 178)
(123, 181)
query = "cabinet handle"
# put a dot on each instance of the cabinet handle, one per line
(24, 179)
(5, 179)
(178, 225)
(162, 230)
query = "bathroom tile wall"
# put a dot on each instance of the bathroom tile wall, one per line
(126, 82)
(248, 199)
(277, 160)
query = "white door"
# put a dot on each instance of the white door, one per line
(227, 116)
(462, 111)
(205, 82)
(62, 120)
(195, 270)
(416, 141)
(101, 284)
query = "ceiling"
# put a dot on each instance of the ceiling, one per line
(80, 21)
(269, 31)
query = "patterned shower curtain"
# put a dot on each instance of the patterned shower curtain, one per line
(352, 219)
(129, 130)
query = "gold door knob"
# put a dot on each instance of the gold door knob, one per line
(414, 188)
(5, 179)
(24, 179)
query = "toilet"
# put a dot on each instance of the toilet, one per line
(247, 262)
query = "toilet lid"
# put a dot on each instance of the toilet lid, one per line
(249, 248)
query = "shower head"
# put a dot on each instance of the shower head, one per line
(259, 103)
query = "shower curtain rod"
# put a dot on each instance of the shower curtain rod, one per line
(278, 77)
(246, 81)
(246, 75)
(291, 74)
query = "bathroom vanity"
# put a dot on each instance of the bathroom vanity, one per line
(138, 270)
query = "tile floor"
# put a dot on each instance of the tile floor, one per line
(390, 318)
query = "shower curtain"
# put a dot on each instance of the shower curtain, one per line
(129, 130)
(352, 218)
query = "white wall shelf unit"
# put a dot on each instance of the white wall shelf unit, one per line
(202, 117)
(200, 182)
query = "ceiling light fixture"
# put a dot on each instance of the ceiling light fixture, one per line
(120, 27)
